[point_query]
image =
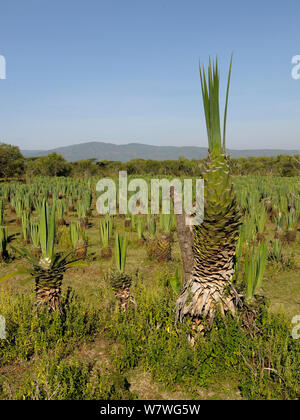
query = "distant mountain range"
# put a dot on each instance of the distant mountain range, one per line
(126, 152)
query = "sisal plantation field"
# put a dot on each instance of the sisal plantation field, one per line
(102, 326)
(148, 305)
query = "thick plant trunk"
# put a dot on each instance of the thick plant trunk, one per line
(208, 251)
(48, 293)
(209, 289)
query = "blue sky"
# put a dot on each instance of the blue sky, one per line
(127, 71)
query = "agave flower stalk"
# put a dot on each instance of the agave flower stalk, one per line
(209, 286)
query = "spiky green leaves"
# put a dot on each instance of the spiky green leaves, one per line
(210, 84)
(47, 230)
(120, 252)
(255, 265)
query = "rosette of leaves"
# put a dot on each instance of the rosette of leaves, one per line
(48, 270)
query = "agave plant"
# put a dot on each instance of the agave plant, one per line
(291, 220)
(1, 213)
(279, 220)
(25, 219)
(152, 226)
(140, 227)
(105, 233)
(48, 271)
(209, 285)
(82, 212)
(110, 221)
(255, 265)
(276, 251)
(165, 222)
(78, 240)
(120, 252)
(260, 219)
(119, 280)
(3, 242)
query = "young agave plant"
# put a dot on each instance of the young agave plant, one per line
(291, 224)
(260, 219)
(1, 213)
(82, 214)
(3, 242)
(105, 233)
(254, 269)
(78, 240)
(209, 285)
(48, 271)
(279, 233)
(140, 227)
(165, 222)
(60, 208)
(25, 219)
(175, 282)
(152, 226)
(119, 280)
(276, 251)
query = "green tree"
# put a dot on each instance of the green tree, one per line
(11, 161)
(85, 168)
(51, 165)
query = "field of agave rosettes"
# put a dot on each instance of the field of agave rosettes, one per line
(95, 295)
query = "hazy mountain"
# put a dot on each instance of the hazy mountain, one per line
(109, 151)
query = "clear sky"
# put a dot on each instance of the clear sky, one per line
(127, 71)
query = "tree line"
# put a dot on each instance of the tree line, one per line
(14, 165)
